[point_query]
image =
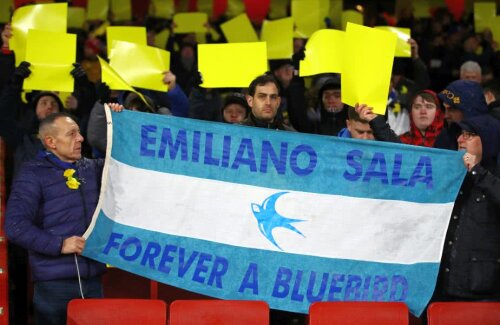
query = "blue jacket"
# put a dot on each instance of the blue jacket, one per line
(344, 133)
(42, 211)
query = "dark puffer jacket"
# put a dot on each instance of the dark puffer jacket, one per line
(470, 265)
(42, 211)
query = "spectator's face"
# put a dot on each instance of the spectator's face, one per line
(423, 113)
(265, 102)
(234, 113)
(66, 141)
(332, 100)
(284, 73)
(360, 130)
(452, 114)
(45, 106)
(471, 143)
(471, 75)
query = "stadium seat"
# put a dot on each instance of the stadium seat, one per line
(218, 312)
(461, 313)
(358, 312)
(117, 311)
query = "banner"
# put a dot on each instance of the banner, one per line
(237, 212)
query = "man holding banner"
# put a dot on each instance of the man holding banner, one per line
(51, 204)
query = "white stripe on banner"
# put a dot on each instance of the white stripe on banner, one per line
(399, 233)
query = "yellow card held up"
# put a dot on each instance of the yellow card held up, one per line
(335, 13)
(324, 12)
(277, 9)
(161, 38)
(231, 64)
(47, 17)
(97, 9)
(149, 73)
(235, 8)
(5, 10)
(366, 73)
(351, 16)
(190, 22)
(239, 30)
(403, 48)
(278, 35)
(129, 34)
(206, 7)
(112, 78)
(483, 13)
(324, 53)
(307, 17)
(76, 17)
(495, 28)
(162, 8)
(121, 10)
(51, 55)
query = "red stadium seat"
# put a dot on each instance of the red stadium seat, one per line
(218, 312)
(117, 311)
(358, 312)
(461, 313)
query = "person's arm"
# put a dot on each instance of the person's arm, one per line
(97, 128)
(21, 213)
(380, 127)
(420, 72)
(175, 99)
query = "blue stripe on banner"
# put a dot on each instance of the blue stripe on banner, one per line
(286, 281)
(297, 162)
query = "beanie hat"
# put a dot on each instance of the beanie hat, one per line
(236, 98)
(278, 63)
(465, 95)
(41, 94)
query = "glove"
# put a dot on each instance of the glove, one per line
(103, 93)
(20, 73)
(197, 79)
(79, 73)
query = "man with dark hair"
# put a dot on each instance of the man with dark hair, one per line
(357, 128)
(50, 206)
(264, 100)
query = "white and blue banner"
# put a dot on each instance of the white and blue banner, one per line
(236, 212)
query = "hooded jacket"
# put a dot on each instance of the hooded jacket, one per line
(470, 264)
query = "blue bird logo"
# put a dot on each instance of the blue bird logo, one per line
(268, 219)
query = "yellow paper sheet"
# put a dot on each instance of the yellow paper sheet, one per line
(484, 12)
(51, 55)
(190, 22)
(336, 8)
(97, 9)
(162, 8)
(235, 8)
(278, 35)
(403, 48)
(324, 53)
(206, 7)
(277, 9)
(129, 34)
(239, 30)
(368, 59)
(307, 17)
(124, 59)
(5, 10)
(495, 28)
(76, 17)
(121, 10)
(421, 9)
(161, 38)
(48, 17)
(324, 12)
(351, 16)
(231, 64)
(114, 81)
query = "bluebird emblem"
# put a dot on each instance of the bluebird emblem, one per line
(268, 218)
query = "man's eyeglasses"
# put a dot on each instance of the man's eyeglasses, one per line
(466, 135)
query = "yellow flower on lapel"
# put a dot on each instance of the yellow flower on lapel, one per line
(71, 182)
